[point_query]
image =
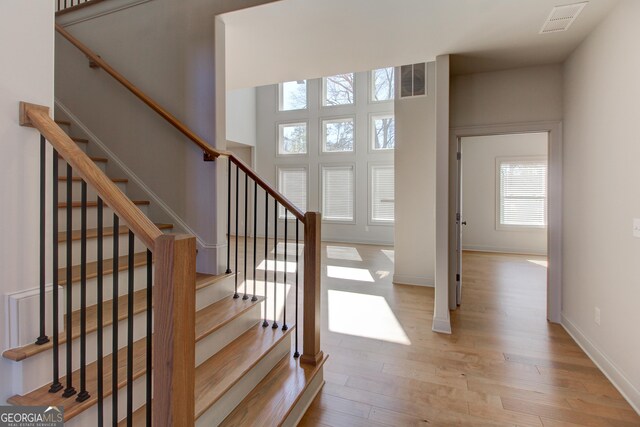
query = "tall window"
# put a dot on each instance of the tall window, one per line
(522, 192)
(337, 135)
(382, 84)
(338, 89)
(292, 138)
(292, 183)
(383, 132)
(382, 194)
(292, 95)
(338, 193)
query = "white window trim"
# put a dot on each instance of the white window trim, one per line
(323, 134)
(279, 142)
(372, 87)
(304, 167)
(521, 159)
(334, 165)
(370, 220)
(371, 143)
(323, 93)
(281, 98)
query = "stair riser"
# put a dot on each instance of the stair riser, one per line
(91, 217)
(92, 249)
(300, 408)
(213, 343)
(210, 294)
(76, 191)
(62, 166)
(36, 370)
(227, 403)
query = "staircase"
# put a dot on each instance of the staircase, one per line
(130, 334)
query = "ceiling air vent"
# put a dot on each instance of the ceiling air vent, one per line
(561, 17)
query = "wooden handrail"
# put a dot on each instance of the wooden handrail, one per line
(37, 116)
(208, 149)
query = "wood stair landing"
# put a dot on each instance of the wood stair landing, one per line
(41, 396)
(270, 403)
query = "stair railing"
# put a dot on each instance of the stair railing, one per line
(308, 222)
(169, 344)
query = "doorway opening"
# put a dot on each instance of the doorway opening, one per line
(502, 217)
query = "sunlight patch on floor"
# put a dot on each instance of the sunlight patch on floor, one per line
(343, 252)
(390, 253)
(542, 263)
(362, 315)
(349, 273)
(270, 266)
(291, 248)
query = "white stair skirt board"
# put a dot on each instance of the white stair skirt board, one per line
(21, 315)
(617, 378)
(442, 326)
(403, 279)
(303, 403)
(216, 341)
(107, 217)
(62, 167)
(35, 371)
(76, 191)
(92, 249)
(227, 403)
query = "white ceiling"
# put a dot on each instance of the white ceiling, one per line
(297, 39)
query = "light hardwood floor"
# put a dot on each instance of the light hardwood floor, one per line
(503, 364)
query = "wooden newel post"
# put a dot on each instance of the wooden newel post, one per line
(311, 353)
(174, 299)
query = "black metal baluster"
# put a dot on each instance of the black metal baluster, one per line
(100, 280)
(149, 376)
(55, 385)
(255, 236)
(130, 331)
(266, 254)
(297, 353)
(43, 338)
(284, 292)
(69, 390)
(246, 232)
(115, 319)
(228, 217)
(83, 395)
(235, 294)
(275, 263)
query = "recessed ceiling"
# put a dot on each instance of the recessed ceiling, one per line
(298, 39)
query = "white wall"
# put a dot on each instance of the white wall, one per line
(479, 193)
(415, 169)
(241, 116)
(26, 74)
(601, 176)
(267, 162)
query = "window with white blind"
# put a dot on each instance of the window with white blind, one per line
(522, 200)
(338, 193)
(292, 183)
(382, 194)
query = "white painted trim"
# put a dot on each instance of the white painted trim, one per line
(491, 249)
(608, 368)
(442, 326)
(97, 10)
(405, 279)
(554, 200)
(135, 179)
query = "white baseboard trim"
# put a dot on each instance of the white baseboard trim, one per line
(491, 249)
(441, 325)
(403, 279)
(617, 378)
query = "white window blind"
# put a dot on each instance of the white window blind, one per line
(337, 193)
(523, 192)
(292, 183)
(382, 194)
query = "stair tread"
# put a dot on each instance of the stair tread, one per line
(139, 259)
(78, 179)
(63, 205)
(272, 400)
(220, 313)
(94, 158)
(216, 375)
(139, 305)
(41, 396)
(63, 122)
(82, 140)
(92, 233)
